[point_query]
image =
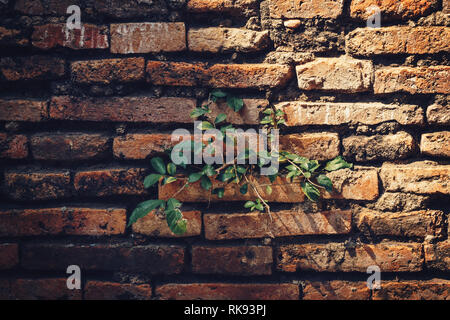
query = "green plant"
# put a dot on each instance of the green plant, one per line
(310, 174)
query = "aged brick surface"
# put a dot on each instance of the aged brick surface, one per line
(42, 289)
(12, 37)
(436, 144)
(437, 256)
(45, 7)
(300, 113)
(9, 255)
(319, 146)
(50, 36)
(336, 290)
(249, 114)
(380, 147)
(336, 74)
(438, 114)
(306, 9)
(446, 6)
(417, 177)
(435, 289)
(398, 201)
(218, 75)
(108, 70)
(37, 185)
(237, 260)
(131, 8)
(235, 7)
(105, 290)
(155, 226)
(227, 39)
(149, 259)
(402, 224)
(359, 184)
(333, 257)
(434, 79)
(69, 146)
(31, 68)
(392, 9)
(13, 146)
(228, 291)
(108, 182)
(398, 40)
(141, 146)
(57, 221)
(284, 224)
(147, 37)
(23, 110)
(123, 109)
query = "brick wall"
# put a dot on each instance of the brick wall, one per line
(82, 111)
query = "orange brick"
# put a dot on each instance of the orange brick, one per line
(23, 110)
(437, 255)
(436, 144)
(43, 289)
(305, 9)
(435, 289)
(104, 290)
(236, 7)
(392, 9)
(31, 68)
(13, 146)
(318, 146)
(336, 290)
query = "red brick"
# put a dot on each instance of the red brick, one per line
(50, 36)
(334, 257)
(306, 9)
(392, 9)
(147, 37)
(218, 75)
(141, 146)
(31, 68)
(155, 226)
(237, 260)
(103, 290)
(228, 291)
(358, 184)
(23, 110)
(398, 40)
(336, 290)
(108, 182)
(318, 146)
(57, 221)
(437, 256)
(435, 289)
(69, 146)
(283, 224)
(38, 185)
(9, 255)
(126, 109)
(125, 257)
(434, 79)
(43, 289)
(236, 7)
(13, 146)
(12, 38)
(108, 70)
(436, 144)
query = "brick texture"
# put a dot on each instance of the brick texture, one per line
(306, 9)
(392, 9)
(104, 290)
(436, 144)
(13, 146)
(9, 253)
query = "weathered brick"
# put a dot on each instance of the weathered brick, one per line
(148, 37)
(218, 75)
(23, 110)
(13, 146)
(318, 146)
(435, 289)
(434, 79)
(108, 70)
(69, 146)
(380, 147)
(438, 114)
(105, 290)
(398, 40)
(50, 36)
(227, 39)
(9, 255)
(108, 182)
(418, 177)
(402, 224)
(37, 185)
(123, 109)
(399, 201)
(131, 8)
(45, 7)
(235, 7)
(392, 9)
(300, 113)
(31, 68)
(358, 184)
(333, 257)
(336, 74)
(283, 224)
(66, 220)
(12, 37)
(228, 291)
(43, 289)
(436, 144)
(237, 260)
(446, 6)
(249, 114)
(141, 146)
(306, 9)
(437, 255)
(155, 226)
(291, 58)
(336, 290)
(149, 259)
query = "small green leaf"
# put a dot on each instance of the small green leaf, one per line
(206, 183)
(268, 111)
(218, 94)
(338, 163)
(205, 125)
(244, 188)
(209, 170)
(151, 180)
(249, 204)
(194, 177)
(171, 168)
(259, 207)
(169, 180)
(324, 181)
(269, 190)
(310, 191)
(220, 118)
(158, 165)
(219, 192)
(198, 112)
(235, 103)
(143, 209)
